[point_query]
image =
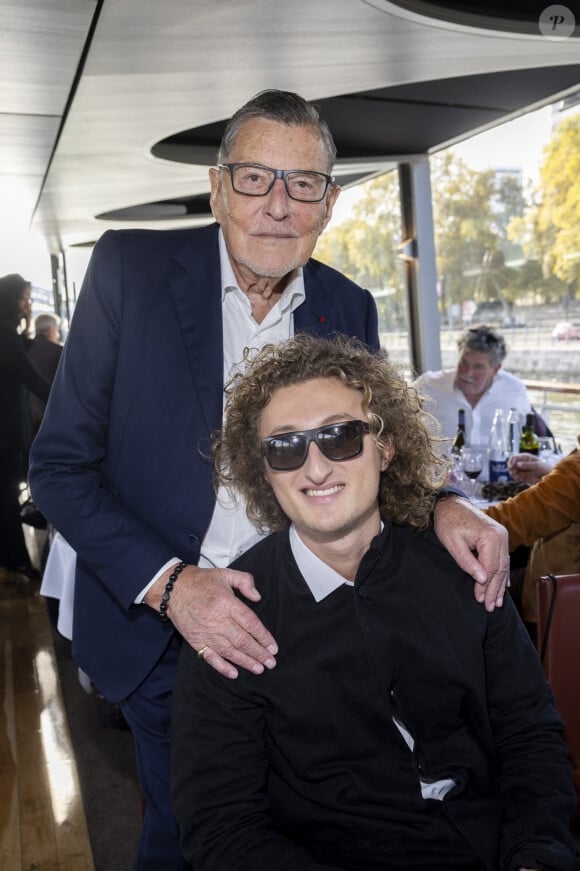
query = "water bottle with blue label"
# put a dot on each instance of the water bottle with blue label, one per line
(498, 448)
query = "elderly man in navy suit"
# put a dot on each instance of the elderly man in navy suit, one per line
(122, 464)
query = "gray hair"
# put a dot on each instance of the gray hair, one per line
(45, 322)
(485, 340)
(284, 107)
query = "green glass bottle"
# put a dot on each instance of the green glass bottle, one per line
(460, 438)
(529, 442)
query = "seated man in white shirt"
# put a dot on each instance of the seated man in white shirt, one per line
(478, 384)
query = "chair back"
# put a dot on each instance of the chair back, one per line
(558, 599)
(542, 429)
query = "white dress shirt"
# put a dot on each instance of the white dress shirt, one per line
(230, 532)
(445, 399)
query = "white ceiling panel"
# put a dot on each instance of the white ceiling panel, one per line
(155, 69)
(41, 42)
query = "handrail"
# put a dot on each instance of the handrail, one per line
(552, 386)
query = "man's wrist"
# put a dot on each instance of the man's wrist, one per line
(163, 572)
(153, 595)
(163, 615)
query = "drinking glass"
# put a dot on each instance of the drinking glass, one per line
(546, 448)
(456, 475)
(472, 464)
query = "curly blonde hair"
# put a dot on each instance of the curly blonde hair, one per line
(394, 410)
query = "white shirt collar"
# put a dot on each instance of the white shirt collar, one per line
(320, 578)
(293, 295)
(497, 377)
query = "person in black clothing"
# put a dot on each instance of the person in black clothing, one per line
(45, 351)
(404, 727)
(18, 375)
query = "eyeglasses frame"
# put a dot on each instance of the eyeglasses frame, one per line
(278, 173)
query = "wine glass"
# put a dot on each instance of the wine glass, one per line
(456, 475)
(472, 464)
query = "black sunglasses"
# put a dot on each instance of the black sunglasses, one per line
(337, 441)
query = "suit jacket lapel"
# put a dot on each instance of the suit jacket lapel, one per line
(316, 315)
(196, 292)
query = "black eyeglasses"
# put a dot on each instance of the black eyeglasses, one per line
(337, 441)
(254, 180)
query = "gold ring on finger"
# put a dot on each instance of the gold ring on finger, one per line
(202, 650)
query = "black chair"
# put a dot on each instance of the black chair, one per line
(543, 431)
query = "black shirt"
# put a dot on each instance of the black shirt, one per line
(303, 768)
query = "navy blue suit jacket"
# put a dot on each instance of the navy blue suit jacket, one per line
(121, 465)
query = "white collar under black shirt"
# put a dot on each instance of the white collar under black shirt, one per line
(322, 580)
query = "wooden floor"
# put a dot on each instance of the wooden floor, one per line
(42, 820)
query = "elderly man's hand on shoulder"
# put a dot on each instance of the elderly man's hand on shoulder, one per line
(478, 544)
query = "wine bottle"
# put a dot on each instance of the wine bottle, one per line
(460, 439)
(529, 442)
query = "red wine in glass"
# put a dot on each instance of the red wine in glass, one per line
(472, 465)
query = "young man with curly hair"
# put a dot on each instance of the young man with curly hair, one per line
(404, 727)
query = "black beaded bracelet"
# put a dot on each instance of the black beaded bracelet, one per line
(167, 592)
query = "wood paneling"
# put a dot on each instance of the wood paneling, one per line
(42, 821)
